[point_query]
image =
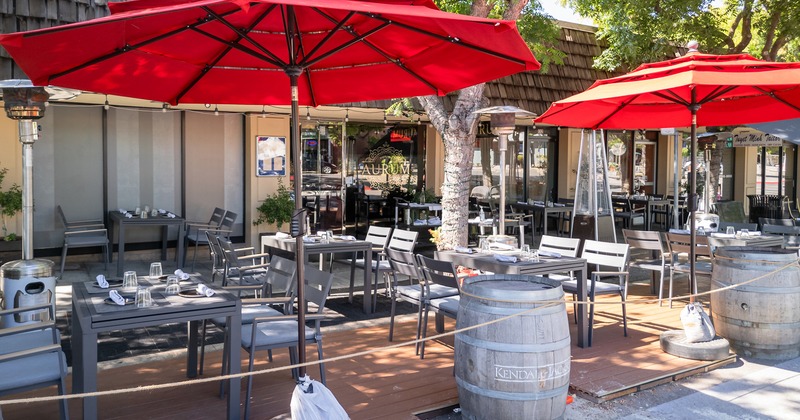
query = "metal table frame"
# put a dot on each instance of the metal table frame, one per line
(486, 262)
(86, 323)
(269, 243)
(122, 223)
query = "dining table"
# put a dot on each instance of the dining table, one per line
(546, 265)
(123, 223)
(560, 210)
(272, 244)
(93, 313)
(755, 240)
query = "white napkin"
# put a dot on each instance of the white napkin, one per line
(123, 211)
(681, 231)
(348, 238)
(281, 235)
(463, 249)
(205, 290)
(116, 297)
(128, 215)
(181, 275)
(722, 235)
(433, 220)
(309, 240)
(549, 254)
(101, 281)
(171, 215)
(161, 211)
(755, 233)
(505, 258)
(501, 246)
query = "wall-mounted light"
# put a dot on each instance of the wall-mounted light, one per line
(208, 106)
(347, 115)
(216, 110)
(263, 111)
(164, 107)
(419, 119)
(384, 117)
(308, 114)
(106, 105)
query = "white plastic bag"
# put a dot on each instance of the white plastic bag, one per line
(696, 324)
(313, 401)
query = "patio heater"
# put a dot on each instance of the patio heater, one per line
(503, 122)
(29, 281)
(592, 216)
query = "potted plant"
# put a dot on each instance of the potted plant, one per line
(276, 208)
(10, 205)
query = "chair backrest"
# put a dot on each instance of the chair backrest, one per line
(680, 243)
(738, 226)
(606, 254)
(645, 239)
(770, 221)
(730, 211)
(481, 191)
(318, 286)
(217, 254)
(438, 272)
(61, 216)
(226, 227)
(403, 240)
(216, 217)
(379, 236)
(403, 263)
(282, 275)
(567, 247)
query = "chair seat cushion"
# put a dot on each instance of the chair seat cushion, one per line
(600, 288)
(274, 334)
(447, 305)
(559, 277)
(32, 370)
(702, 267)
(27, 340)
(249, 312)
(436, 291)
(413, 291)
(652, 265)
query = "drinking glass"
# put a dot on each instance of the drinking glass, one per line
(745, 233)
(483, 245)
(173, 285)
(526, 250)
(701, 231)
(143, 298)
(155, 270)
(730, 230)
(129, 280)
(330, 235)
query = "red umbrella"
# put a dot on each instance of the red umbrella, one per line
(696, 89)
(308, 52)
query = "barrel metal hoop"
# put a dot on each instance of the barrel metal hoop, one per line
(760, 325)
(760, 289)
(496, 310)
(512, 396)
(513, 348)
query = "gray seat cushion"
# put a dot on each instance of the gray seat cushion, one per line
(437, 291)
(32, 370)
(447, 305)
(701, 267)
(600, 288)
(652, 265)
(27, 340)
(273, 334)
(249, 313)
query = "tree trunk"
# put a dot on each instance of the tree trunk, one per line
(458, 130)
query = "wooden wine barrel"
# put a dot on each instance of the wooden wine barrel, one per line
(760, 319)
(517, 368)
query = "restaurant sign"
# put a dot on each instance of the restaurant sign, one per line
(756, 138)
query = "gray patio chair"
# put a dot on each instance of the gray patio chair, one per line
(608, 256)
(679, 247)
(267, 333)
(31, 357)
(657, 257)
(440, 294)
(738, 226)
(83, 234)
(791, 235)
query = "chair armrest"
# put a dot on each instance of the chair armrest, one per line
(82, 225)
(282, 300)
(78, 232)
(610, 273)
(249, 287)
(5, 332)
(25, 309)
(253, 267)
(201, 225)
(30, 352)
(251, 256)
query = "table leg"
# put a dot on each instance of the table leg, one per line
(121, 249)
(164, 234)
(191, 350)
(84, 365)
(544, 221)
(584, 335)
(179, 251)
(234, 338)
(368, 281)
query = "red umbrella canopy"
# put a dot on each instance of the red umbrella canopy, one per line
(728, 89)
(238, 51)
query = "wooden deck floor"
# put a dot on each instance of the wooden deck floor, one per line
(393, 384)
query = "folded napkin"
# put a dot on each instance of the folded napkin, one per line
(205, 290)
(181, 275)
(501, 246)
(755, 233)
(116, 297)
(433, 220)
(101, 281)
(538, 203)
(347, 238)
(463, 249)
(162, 211)
(681, 231)
(419, 222)
(309, 240)
(123, 211)
(281, 235)
(549, 254)
(171, 215)
(128, 216)
(506, 258)
(559, 205)
(722, 235)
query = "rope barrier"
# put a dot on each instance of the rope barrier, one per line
(544, 304)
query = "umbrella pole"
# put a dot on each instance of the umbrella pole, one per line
(298, 206)
(693, 199)
(676, 186)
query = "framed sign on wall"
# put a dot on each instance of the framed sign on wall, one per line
(270, 156)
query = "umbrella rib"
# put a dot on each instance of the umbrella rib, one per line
(357, 38)
(611, 114)
(379, 51)
(216, 60)
(273, 59)
(330, 34)
(716, 93)
(672, 97)
(453, 40)
(773, 96)
(302, 51)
